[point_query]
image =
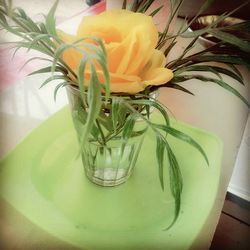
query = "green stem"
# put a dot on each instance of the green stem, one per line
(101, 132)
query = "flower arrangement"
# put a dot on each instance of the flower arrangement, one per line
(115, 62)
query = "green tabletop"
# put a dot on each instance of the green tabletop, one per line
(44, 180)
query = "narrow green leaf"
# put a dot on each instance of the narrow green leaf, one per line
(58, 86)
(59, 52)
(176, 183)
(223, 58)
(42, 28)
(35, 47)
(236, 71)
(81, 78)
(42, 38)
(33, 59)
(154, 104)
(102, 60)
(217, 81)
(174, 169)
(213, 69)
(145, 6)
(184, 137)
(187, 49)
(229, 38)
(28, 21)
(94, 103)
(179, 87)
(128, 127)
(50, 21)
(21, 12)
(191, 34)
(155, 11)
(46, 70)
(99, 127)
(52, 78)
(124, 4)
(175, 6)
(169, 48)
(105, 120)
(3, 19)
(116, 102)
(160, 147)
(202, 9)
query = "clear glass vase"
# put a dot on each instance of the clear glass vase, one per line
(108, 164)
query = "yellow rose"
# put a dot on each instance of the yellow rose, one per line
(130, 40)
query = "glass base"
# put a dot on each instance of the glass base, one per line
(108, 177)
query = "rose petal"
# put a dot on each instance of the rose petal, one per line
(157, 76)
(122, 20)
(137, 36)
(142, 51)
(119, 83)
(158, 59)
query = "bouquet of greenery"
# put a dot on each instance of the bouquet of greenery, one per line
(117, 60)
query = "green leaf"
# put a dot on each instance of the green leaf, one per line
(155, 11)
(241, 29)
(236, 71)
(59, 52)
(128, 127)
(3, 19)
(47, 70)
(217, 81)
(99, 127)
(124, 4)
(229, 38)
(42, 38)
(81, 78)
(175, 6)
(58, 86)
(230, 89)
(199, 58)
(35, 47)
(28, 21)
(81, 115)
(213, 69)
(21, 12)
(94, 103)
(144, 6)
(184, 137)
(42, 28)
(52, 78)
(196, 33)
(154, 104)
(176, 183)
(205, 5)
(134, 5)
(104, 66)
(160, 147)
(116, 103)
(169, 48)
(106, 120)
(179, 87)
(187, 49)
(50, 21)
(174, 169)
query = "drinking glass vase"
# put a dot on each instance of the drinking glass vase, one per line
(108, 164)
